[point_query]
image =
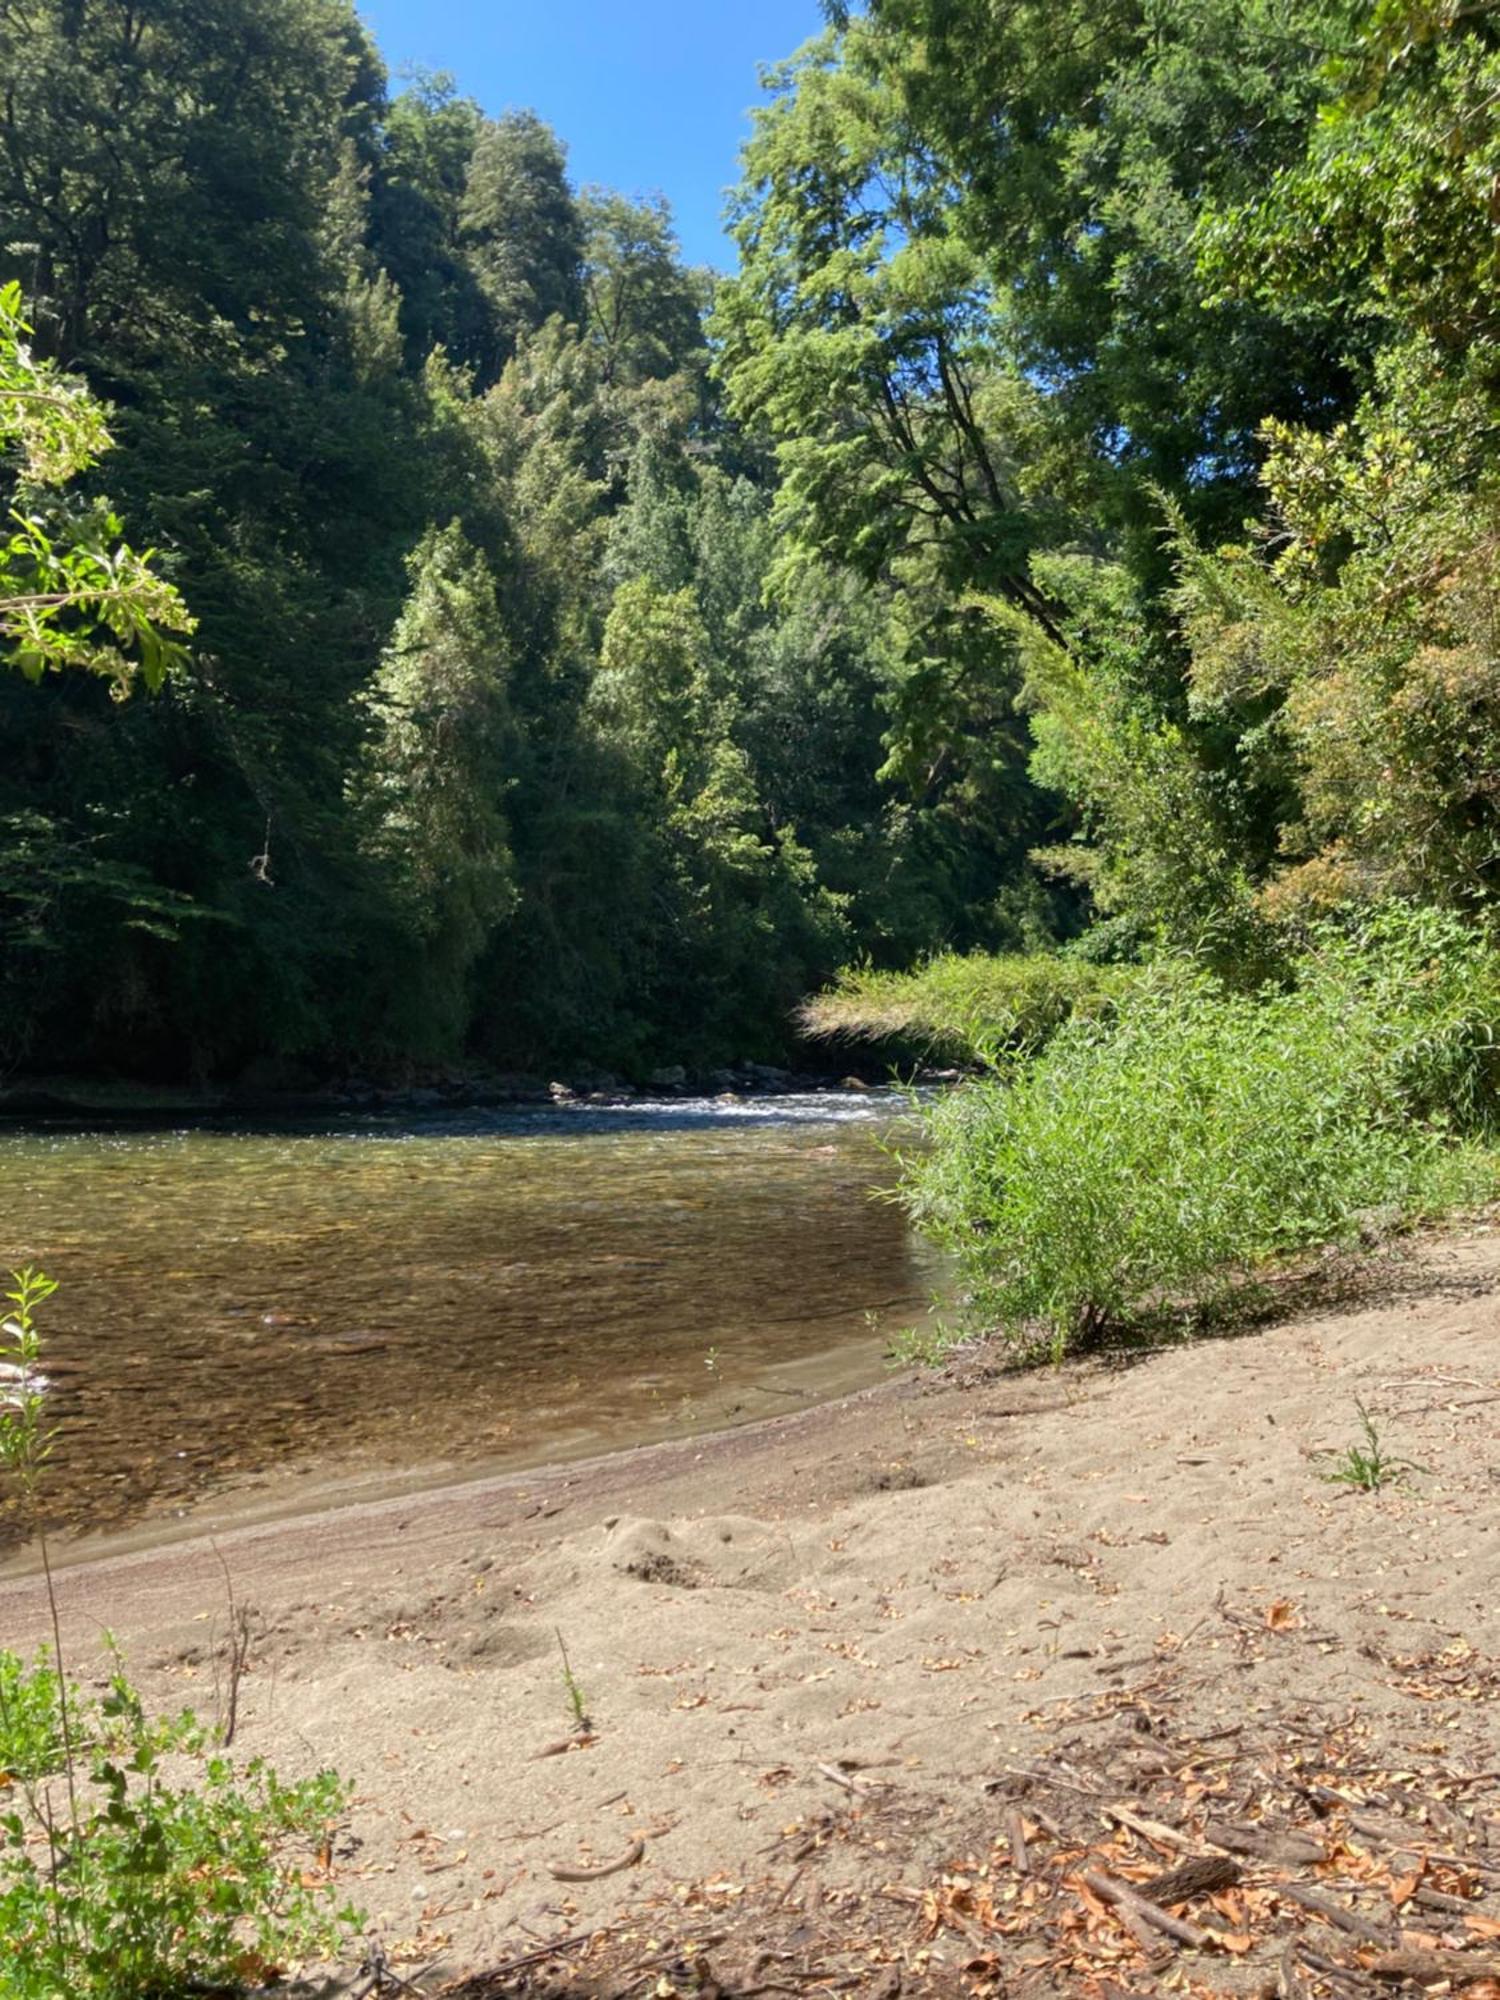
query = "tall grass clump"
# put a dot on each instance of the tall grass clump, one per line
(964, 1008)
(1159, 1157)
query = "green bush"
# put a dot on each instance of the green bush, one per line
(161, 1887)
(965, 1009)
(31, 1741)
(1161, 1155)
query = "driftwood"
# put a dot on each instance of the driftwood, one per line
(1201, 1876)
(1428, 1967)
(1130, 1901)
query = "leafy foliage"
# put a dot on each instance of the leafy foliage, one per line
(31, 1744)
(1155, 1158)
(71, 593)
(976, 1008)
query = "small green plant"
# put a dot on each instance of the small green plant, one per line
(142, 1884)
(30, 1736)
(1367, 1466)
(711, 1361)
(577, 1705)
(922, 1346)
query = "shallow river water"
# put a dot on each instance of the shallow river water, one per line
(249, 1321)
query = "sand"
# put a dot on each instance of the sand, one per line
(807, 1648)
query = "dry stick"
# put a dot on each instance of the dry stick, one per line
(579, 1740)
(535, 1957)
(381, 1975)
(1427, 1967)
(1285, 1847)
(1159, 1919)
(239, 1649)
(561, 1871)
(1289, 1981)
(1149, 1829)
(1344, 1979)
(1439, 1899)
(859, 1786)
(1044, 1778)
(1015, 1832)
(1324, 1906)
(239, 1656)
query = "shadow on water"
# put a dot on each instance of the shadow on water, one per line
(325, 1304)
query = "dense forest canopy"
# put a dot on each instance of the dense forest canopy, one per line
(1072, 522)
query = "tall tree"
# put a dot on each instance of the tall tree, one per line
(521, 230)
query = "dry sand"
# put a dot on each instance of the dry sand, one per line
(916, 1592)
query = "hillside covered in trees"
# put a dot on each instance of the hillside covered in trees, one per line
(1071, 526)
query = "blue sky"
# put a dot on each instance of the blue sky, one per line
(648, 95)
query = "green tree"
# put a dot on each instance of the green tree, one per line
(521, 230)
(435, 781)
(643, 310)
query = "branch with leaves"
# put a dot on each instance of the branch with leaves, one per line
(72, 592)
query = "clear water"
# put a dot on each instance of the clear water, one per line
(248, 1317)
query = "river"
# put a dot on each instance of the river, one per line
(254, 1321)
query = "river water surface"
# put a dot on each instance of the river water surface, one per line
(251, 1321)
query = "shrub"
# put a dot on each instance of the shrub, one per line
(1161, 1155)
(31, 1743)
(966, 1009)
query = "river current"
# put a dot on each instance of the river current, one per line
(253, 1320)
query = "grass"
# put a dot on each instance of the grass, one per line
(1160, 1156)
(1367, 1466)
(572, 1689)
(964, 1009)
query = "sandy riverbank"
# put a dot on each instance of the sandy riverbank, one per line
(920, 1589)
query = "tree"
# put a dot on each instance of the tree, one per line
(435, 779)
(643, 311)
(521, 231)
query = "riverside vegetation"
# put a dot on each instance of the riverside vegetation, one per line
(1069, 521)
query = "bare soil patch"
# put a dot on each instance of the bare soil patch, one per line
(1078, 1682)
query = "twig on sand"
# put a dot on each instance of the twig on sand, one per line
(581, 1739)
(1324, 1906)
(856, 1785)
(561, 1871)
(376, 1974)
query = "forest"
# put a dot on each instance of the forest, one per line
(1068, 531)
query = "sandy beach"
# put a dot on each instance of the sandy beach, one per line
(824, 1657)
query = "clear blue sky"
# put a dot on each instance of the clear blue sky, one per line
(649, 96)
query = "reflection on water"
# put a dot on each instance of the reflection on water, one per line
(367, 1298)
